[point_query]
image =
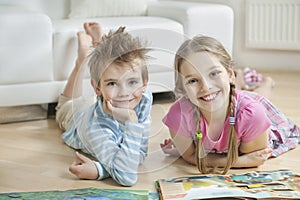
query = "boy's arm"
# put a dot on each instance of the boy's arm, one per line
(121, 159)
(118, 158)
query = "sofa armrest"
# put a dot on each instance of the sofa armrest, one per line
(215, 20)
(25, 46)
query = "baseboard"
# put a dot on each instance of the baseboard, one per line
(23, 113)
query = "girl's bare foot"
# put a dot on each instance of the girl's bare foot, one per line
(266, 87)
(94, 30)
(239, 79)
(84, 45)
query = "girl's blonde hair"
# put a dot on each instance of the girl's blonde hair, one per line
(118, 47)
(210, 45)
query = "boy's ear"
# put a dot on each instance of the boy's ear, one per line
(145, 84)
(144, 87)
(96, 88)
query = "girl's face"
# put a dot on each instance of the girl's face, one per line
(206, 81)
(122, 85)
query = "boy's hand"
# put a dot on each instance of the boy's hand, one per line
(84, 167)
(168, 147)
(120, 114)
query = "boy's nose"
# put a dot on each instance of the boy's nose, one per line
(123, 91)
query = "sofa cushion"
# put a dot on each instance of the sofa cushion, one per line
(155, 30)
(25, 46)
(107, 8)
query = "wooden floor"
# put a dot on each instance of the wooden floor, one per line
(34, 158)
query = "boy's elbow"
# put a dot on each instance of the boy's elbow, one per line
(126, 179)
(128, 183)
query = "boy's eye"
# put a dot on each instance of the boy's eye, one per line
(111, 83)
(133, 82)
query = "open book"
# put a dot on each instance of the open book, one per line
(281, 184)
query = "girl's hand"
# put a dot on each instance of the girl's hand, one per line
(120, 114)
(84, 168)
(256, 158)
(168, 147)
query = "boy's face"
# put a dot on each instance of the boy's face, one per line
(206, 81)
(122, 85)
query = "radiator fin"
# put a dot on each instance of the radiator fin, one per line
(273, 24)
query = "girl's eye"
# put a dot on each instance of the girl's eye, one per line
(215, 73)
(191, 81)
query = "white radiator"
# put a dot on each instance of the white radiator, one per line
(273, 24)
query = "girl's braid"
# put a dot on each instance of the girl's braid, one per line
(200, 152)
(232, 154)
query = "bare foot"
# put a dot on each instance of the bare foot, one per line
(94, 30)
(84, 44)
(239, 79)
(266, 87)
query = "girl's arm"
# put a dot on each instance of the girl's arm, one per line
(252, 159)
(254, 153)
(185, 147)
(260, 142)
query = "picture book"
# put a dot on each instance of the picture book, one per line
(85, 193)
(278, 184)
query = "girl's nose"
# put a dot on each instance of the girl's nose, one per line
(205, 86)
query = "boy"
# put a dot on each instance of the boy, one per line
(114, 129)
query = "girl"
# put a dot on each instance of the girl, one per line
(212, 124)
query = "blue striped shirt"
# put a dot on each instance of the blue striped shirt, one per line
(119, 148)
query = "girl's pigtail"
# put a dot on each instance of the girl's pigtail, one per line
(232, 154)
(200, 152)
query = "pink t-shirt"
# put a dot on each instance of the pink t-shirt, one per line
(251, 121)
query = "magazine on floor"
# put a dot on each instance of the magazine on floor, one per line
(84, 193)
(281, 184)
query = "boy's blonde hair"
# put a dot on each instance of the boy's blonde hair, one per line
(121, 48)
(210, 45)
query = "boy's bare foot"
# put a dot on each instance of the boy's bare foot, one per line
(94, 30)
(84, 45)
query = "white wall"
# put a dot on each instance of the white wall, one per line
(265, 59)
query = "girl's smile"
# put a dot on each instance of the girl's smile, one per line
(210, 97)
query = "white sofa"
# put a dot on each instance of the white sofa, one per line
(38, 43)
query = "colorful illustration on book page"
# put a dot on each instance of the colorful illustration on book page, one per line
(86, 193)
(282, 184)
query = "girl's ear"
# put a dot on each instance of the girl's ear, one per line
(231, 75)
(96, 88)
